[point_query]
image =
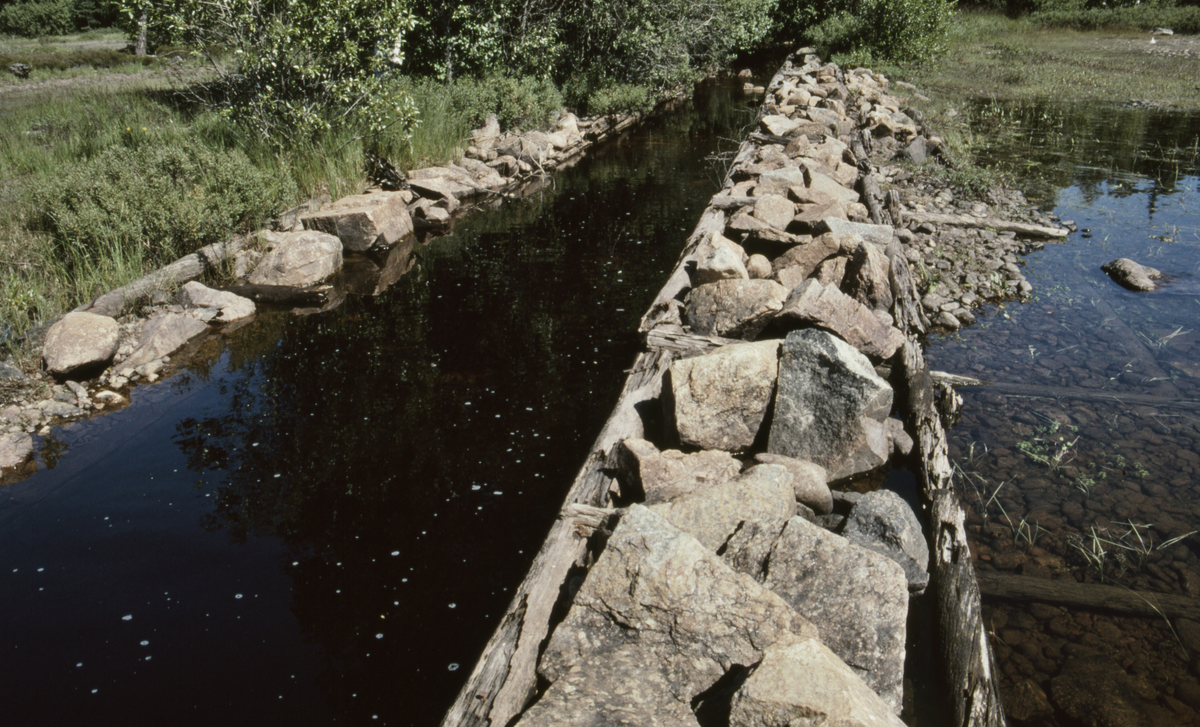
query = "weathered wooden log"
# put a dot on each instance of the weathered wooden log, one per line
(988, 223)
(284, 295)
(683, 343)
(731, 203)
(969, 670)
(505, 676)
(868, 189)
(907, 312)
(1098, 395)
(1091, 596)
(188, 267)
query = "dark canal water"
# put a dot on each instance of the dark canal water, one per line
(320, 519)
(1091, 490)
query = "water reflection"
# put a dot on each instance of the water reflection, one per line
(321, 519)
(1084, 466)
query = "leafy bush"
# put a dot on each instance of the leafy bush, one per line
(164, 200)
(525, 102)
(37, 19)
(893, 30)
(619, 98)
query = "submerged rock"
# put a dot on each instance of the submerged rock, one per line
(1131, 275)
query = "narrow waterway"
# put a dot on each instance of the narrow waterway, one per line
(320, 519)
(1085, 487)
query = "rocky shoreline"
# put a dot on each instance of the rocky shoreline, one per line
(727, 569)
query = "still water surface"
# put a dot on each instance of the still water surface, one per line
(320, 519)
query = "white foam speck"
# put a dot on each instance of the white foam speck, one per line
(237, 595)
(127, 617)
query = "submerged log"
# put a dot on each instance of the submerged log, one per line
(988, 223)
(1091, 596)
(284, 295)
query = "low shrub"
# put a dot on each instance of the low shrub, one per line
(37, 19)
(1141, 17)
(621, 97)
(890, 30)
(518, 102)
(162, 199)
(93, 57)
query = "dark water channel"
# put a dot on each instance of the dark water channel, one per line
(320, 519)
(1091, 490)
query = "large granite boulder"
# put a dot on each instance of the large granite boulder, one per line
(762, 494)
(161, 336)
(883, 522)
(808, 481)
(363, 221)
(775, 210)
(298, 259)
(80, 343)
(733, 308)
(231, 307)
(830, 406)
(801, 683)
(858, 599)
(658, 587)
(813, 304)
(719, 400)
(663, 476)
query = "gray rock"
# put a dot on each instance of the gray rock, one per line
(831, 272)
(902, 443)
(532, 148)
(720, 264)
(663, 476)
(363, 221)
(439, 187)
(79, 342)
(879, 235)
(719, 400)
(814, 304)
(162, 336)
(759, 267)
(233, 307)
(829, 406)
(298, 259)
(11, 373)
(778, 125)
(15, 448)
(775, 210)
(763, 494)
(59, 409)
(917, 151)
(883, 522)
(808, 481)
(867, 277)
(947, 320)
(802, 260)
(658, 587)
(856, 598)
(804, 683)
(625, 685)
(1095, 691)
(1131, 275)
(733, 308)
(810, 217)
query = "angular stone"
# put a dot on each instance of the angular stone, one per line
(733, 308)
(439, 187)
(810, 218)
(363, 221)
(868, 278)
(879, 235)
(625, 685)
(811, 303)
(805, 683)
(831, 272)
(298, 259)
(532, 148)
(826, 185)
(780, 181)
(808, 481)
(717, 240)
(775, 210)
(719, 400)
(79, 343)
(802, 260)
(720, 264)
(663, 476)
(762, 494)
(163, 335)
(778, 125)
(829, 406)
(902, 443)
(1131, 275)
(658, 587)
(483, 175)
(883, 522)
(15, 448)
(856, 598)
(233, 307)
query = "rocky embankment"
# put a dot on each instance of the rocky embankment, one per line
(736, 575)
(308, 261)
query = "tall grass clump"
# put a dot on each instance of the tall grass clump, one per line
(153, 203)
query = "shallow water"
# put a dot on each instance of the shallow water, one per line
(1092, 490)
(320, 519)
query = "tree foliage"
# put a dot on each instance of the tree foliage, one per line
(896, 30)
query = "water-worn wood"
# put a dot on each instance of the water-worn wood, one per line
(1099, 395)
(732, 203)
(685, 343)
(988, 223)
(968, 668)
(188, 267)
(285, 295)
(1088, 595)
(505, 676)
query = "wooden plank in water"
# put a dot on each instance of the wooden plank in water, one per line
(1092, 596)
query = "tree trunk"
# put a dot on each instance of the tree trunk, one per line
(140, 48)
